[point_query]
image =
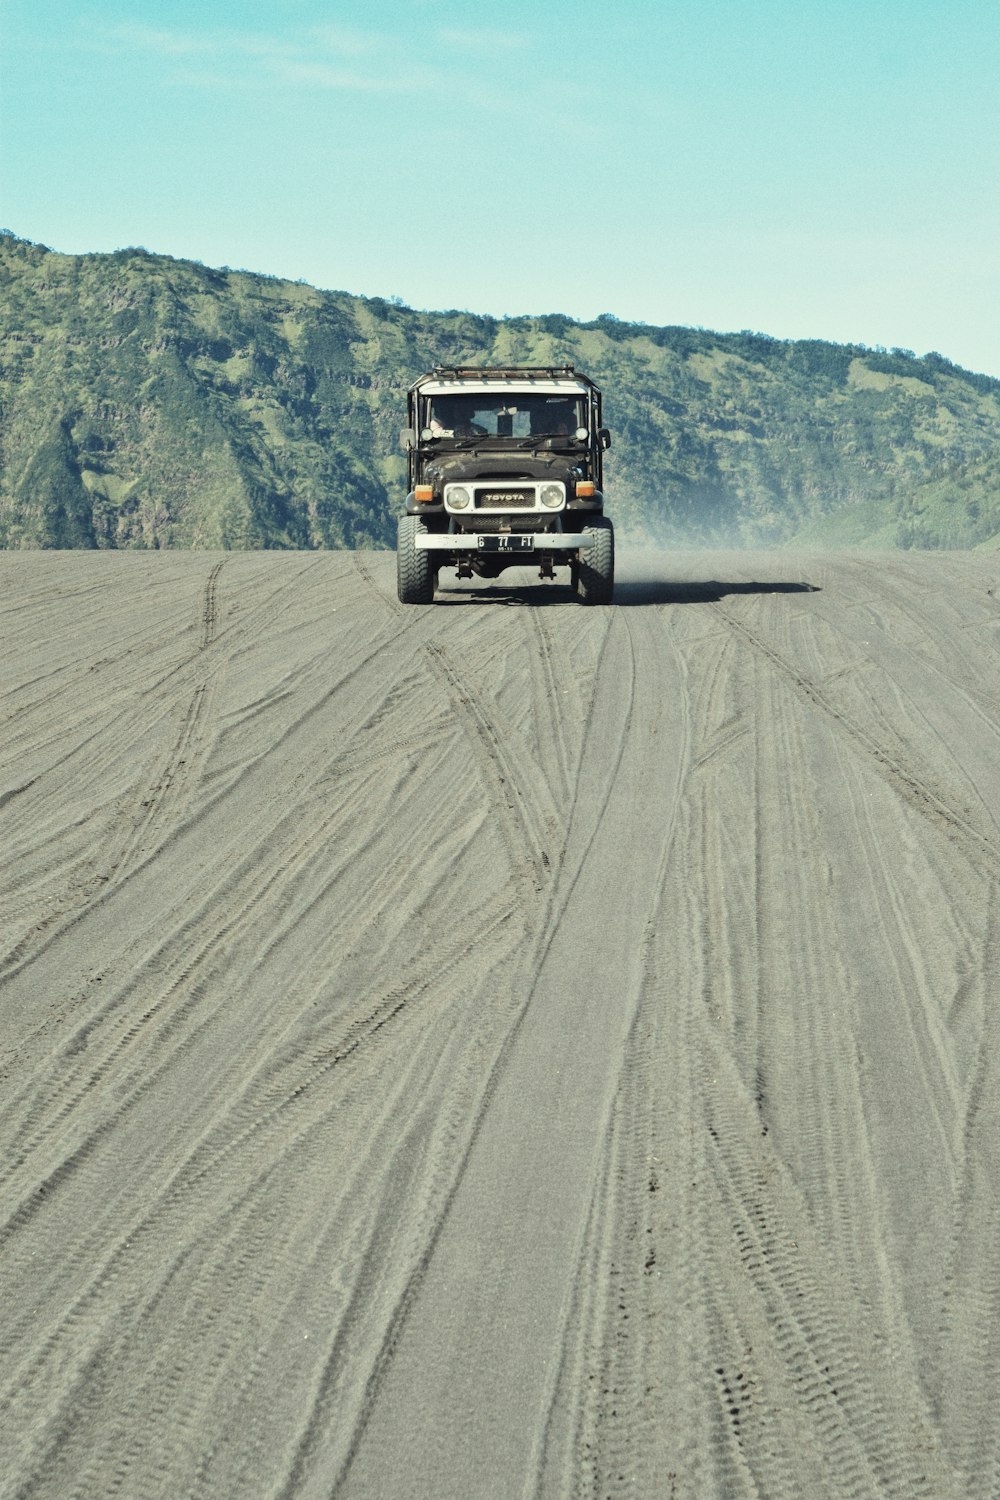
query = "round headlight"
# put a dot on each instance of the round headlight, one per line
(458, 498)
(552, 495)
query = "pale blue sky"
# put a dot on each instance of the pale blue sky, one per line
(827, 171)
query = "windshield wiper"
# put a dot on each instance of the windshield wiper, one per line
(454, 443)
(545, 437)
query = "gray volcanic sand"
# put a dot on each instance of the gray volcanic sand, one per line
(503, 1048)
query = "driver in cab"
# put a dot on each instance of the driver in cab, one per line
(448, 419)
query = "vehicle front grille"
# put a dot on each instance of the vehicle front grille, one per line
(497, 499)
(483, 521)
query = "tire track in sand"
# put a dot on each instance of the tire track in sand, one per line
(153, 800)
(907, 781)
(526, 819)
(210, 606)
(732, 1333)
(537, 1141)
(963, 1378)
(688, 1190)
(138, 830)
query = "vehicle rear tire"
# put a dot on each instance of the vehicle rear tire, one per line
(595, 572)
(415, 572)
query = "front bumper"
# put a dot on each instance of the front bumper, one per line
(468, 541)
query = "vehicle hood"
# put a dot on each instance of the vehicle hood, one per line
(491, 464)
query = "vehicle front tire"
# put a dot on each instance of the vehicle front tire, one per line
(415, 573)
(594, 574)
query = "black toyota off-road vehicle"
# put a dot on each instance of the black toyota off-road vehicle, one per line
(505, 469)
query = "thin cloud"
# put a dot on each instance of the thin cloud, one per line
(219, 44)
(217, 81)
(312, 58)
(324, 75)
(347, 41)
(163, 43)
(334, 58)
(486, 40)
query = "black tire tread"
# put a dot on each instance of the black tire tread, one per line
(595, 572)
(415, 575)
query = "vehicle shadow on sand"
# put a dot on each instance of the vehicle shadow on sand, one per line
(699, 591)
(629, 593)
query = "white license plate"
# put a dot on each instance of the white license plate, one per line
(506, 543)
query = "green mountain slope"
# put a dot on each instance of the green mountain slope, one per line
(146, 401)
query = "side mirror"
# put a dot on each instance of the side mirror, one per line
(604, 437)
(406, 438)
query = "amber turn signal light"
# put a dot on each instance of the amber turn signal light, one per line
(585, 489)
(423, 492)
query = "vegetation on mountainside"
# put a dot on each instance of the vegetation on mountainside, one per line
(146, 401)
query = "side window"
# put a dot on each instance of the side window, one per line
(557, 416)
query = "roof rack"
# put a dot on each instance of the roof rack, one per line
(504, 370)
(526, 373)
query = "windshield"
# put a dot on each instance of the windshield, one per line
(505, 416)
